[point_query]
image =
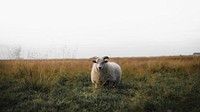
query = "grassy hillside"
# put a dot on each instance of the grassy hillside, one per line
(148, 84)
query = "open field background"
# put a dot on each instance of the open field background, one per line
(148, 84)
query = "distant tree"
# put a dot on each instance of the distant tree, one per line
(16, 53)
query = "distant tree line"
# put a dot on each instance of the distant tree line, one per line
(54, 53)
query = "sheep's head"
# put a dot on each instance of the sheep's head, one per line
(100, 62)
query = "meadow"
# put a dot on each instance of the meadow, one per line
(149, 84)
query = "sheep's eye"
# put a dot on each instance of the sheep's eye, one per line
(94, 61)
(105, 61)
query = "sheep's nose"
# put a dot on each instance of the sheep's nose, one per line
(100, 68)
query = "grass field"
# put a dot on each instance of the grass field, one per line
(163, 84)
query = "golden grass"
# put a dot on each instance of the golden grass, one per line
(148, 84)
(130, 66)
(49, 71)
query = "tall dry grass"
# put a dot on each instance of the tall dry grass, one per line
(50, 70)
(148, 84)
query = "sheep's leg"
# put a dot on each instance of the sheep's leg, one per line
(106, 81)
(114, 84)
(111, 83)
(95, 85)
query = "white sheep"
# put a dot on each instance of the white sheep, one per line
(105, 72)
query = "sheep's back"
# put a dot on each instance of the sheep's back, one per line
(114, 71)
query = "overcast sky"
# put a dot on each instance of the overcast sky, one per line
(96, 28)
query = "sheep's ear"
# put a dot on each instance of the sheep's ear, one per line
(95, 57)
(94, 61)
(105, 57)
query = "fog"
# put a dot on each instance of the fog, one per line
(46, 29)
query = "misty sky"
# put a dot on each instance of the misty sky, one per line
(107, 27)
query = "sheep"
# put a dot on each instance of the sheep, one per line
(105, 72)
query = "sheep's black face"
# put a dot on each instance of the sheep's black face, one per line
(100, 63)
